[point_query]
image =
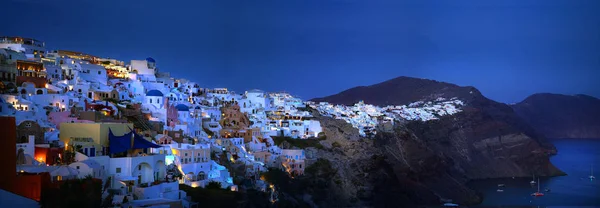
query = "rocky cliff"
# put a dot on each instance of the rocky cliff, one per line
(414, 164)
(562, 116)
(422, 163)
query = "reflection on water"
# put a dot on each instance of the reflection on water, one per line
(575, 157)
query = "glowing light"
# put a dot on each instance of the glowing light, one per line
(22, 171)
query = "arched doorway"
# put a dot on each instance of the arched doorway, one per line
(191, 176)
(21, 157)
(201, 175)
(10, 86)
(143, 172)
(39, 92)
(23, 91)
(160, 170)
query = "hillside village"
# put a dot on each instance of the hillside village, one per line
(366, 117)
(142, 133)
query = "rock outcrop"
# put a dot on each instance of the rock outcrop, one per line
(561, 116)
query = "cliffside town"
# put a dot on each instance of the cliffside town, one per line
(152, 139)
(366, 117)
(138, 130)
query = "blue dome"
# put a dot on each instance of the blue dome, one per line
(154, 93)
(150, 59)
(182, 107)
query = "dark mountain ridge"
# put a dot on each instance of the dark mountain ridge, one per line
(401, 91)
(561, 116)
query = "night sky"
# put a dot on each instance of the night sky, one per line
(508, 49)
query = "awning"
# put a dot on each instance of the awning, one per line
(119, 144)
(140, 143)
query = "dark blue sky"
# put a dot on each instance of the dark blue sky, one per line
(508, 49)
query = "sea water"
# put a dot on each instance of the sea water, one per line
(575, 157)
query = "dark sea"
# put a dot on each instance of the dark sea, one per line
(575, 157)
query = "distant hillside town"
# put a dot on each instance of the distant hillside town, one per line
(366, 117)
(141, 133)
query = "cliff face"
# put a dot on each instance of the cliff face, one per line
(421, 163)
(389, 170)
(562, 116)
(414, 164)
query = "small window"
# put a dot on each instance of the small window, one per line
(118, 170)
(99, 72)
(78, 167)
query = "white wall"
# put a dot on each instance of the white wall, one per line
(54, 71)
(29, 147)
(129, 165)
(141, 66)
(196, 168)
(85, 170)
(27, 49)
(296, 154)
(46, 99)
(162, 190)
(93, 73)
